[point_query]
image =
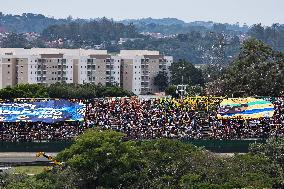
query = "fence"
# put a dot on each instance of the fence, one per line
(224, 146)
(219, 146)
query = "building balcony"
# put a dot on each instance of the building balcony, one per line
(145, 80)
(144, 87)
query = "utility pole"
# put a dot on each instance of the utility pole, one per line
(181, 89)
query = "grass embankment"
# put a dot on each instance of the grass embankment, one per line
(29, 169)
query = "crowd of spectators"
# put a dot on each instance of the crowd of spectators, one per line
(150, 119)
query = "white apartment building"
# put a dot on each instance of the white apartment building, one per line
(133, 70)
(139, 68)
(98, 69)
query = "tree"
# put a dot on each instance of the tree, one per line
(272, 149)
(171, 90)
(257, 31)
(24, 91)
(195, 90)
(103, 159)
(258, 70)
(14, 40)
(166, 162)
(185, 73)
(161, 81)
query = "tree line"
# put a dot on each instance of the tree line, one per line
(258, 70)
(104, 159)
(62, 90)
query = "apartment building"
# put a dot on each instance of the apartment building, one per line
(139, 68)
(42, 66)
(98, 69)
(8, 71)
(133, 70)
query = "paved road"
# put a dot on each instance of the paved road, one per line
(22, 157)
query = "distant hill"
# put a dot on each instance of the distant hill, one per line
(176, 26)
(29, 22)
(162, 21)
(199, 42)
(88, 34)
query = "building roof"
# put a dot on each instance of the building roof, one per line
(51, 55)
(138, 52)
(153, 56)
(38, 51)
(100, 56)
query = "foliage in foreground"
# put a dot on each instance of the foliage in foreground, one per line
(103, 159)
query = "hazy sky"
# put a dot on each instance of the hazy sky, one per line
(230, 11)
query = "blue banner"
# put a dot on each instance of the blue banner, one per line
(48, 111)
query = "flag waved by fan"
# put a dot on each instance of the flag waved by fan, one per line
(245, 108)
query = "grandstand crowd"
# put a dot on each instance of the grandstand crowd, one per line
(151, 119)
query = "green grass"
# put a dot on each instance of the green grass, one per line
(29, 169)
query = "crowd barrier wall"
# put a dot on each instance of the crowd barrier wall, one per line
(51, 146)
(224, 146)
(218, 146)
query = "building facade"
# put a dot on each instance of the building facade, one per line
(133, 70)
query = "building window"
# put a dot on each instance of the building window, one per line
(8, 66)
(8, 60)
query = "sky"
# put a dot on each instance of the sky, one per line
(223, 11)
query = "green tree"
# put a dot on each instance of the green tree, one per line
(272, 149)
(24, 91)
(14, 40)
(258, 70)
(161, 81)
(103, 159)
(171, 90)
(185, 73)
